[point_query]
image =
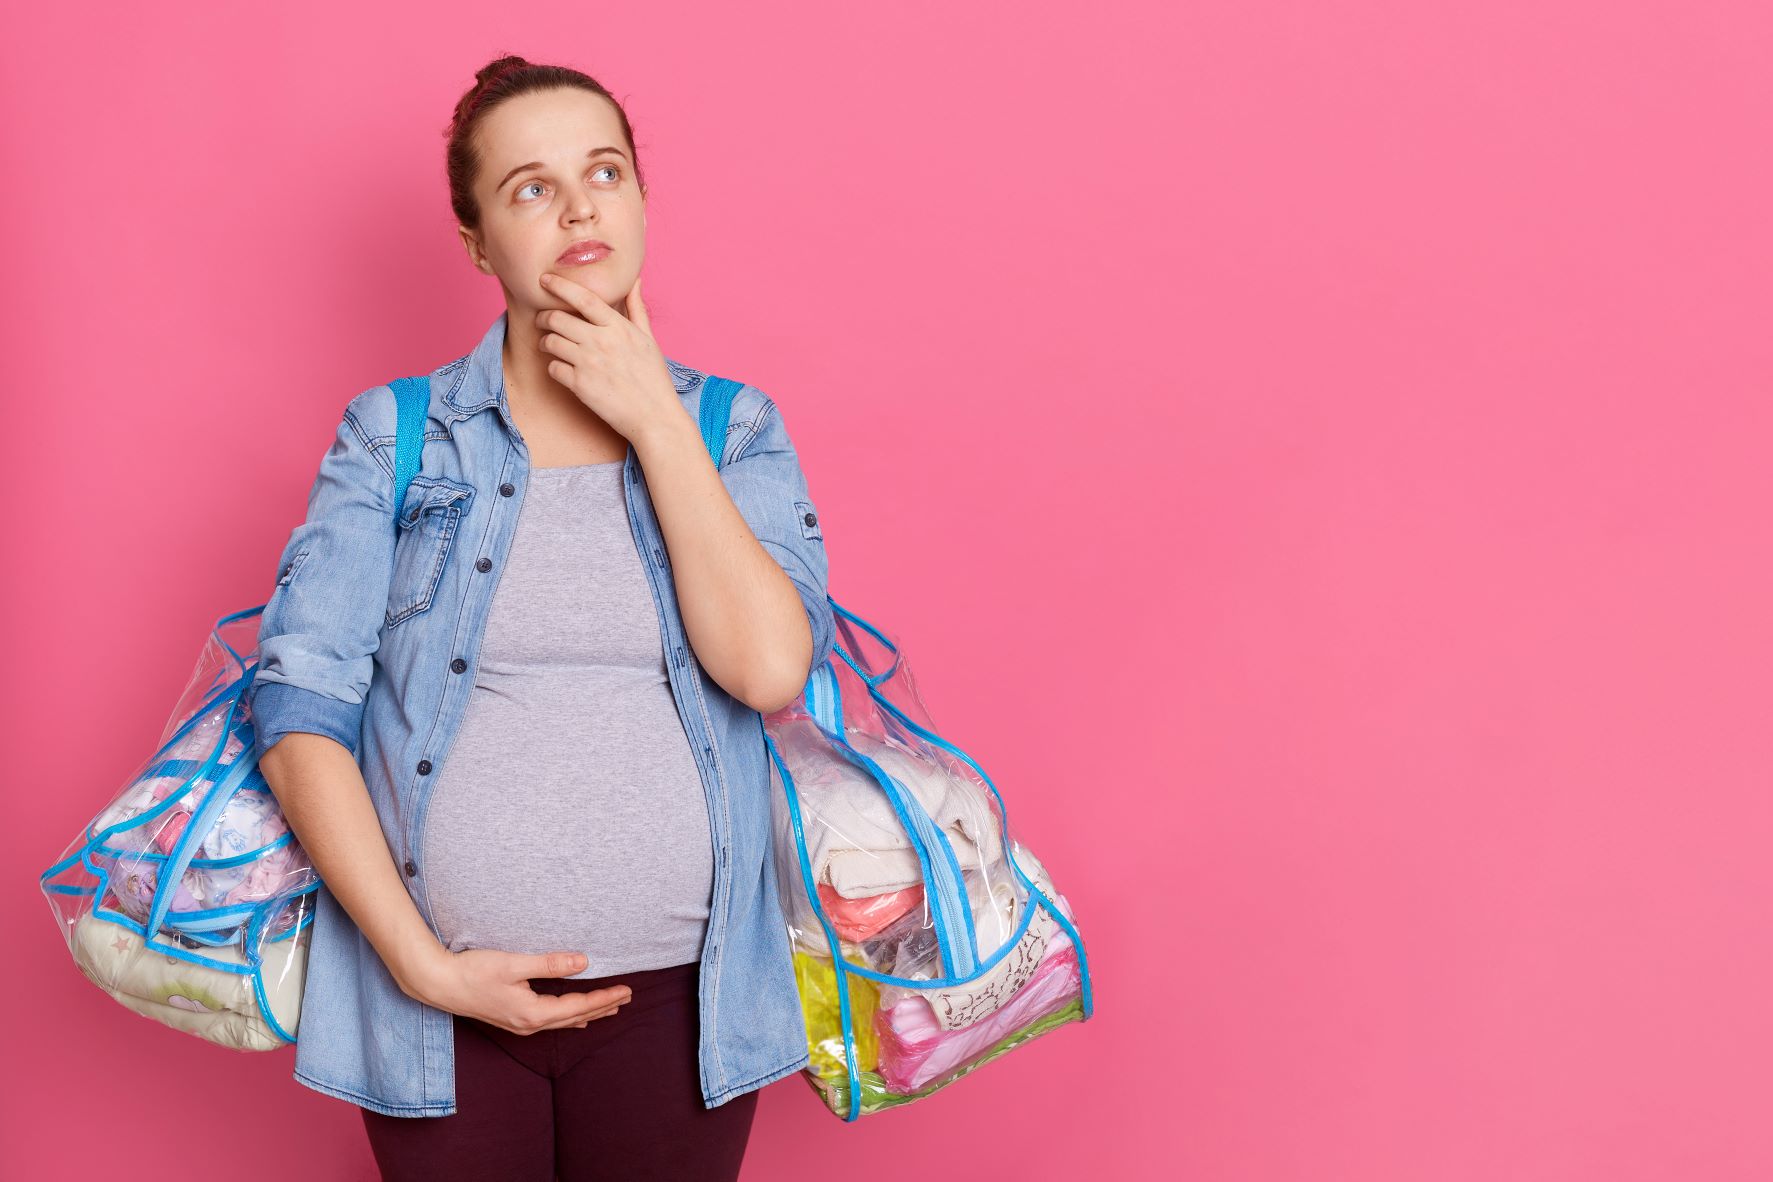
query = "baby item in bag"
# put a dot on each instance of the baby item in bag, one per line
(817, 980)
(927, 940)
(188, 899)
(858, 919)
(916, 1052)
(962, 1005)
(863, 850)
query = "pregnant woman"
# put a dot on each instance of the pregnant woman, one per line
(518, 726)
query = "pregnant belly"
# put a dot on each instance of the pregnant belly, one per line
(571, 838)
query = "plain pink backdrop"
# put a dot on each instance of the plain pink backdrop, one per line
(1316, 456)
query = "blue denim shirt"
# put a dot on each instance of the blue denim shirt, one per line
(371, 636)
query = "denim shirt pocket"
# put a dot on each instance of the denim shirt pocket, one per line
(809, 520)
(428, 521)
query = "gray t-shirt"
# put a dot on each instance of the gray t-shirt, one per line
(571, 754)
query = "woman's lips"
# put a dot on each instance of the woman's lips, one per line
(583, 252)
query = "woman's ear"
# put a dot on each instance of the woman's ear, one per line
(471, 243)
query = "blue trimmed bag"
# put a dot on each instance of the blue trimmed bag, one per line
(926, 940)
(188, 899)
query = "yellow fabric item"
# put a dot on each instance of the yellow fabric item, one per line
(816, 978)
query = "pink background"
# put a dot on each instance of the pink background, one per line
(1315, 455)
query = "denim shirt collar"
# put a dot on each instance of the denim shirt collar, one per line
(479, 380)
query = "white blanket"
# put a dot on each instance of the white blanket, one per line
(854, 838)
(210, 1003)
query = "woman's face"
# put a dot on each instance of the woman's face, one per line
(556, 170)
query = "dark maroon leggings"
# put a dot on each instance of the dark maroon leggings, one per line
(621, 1098)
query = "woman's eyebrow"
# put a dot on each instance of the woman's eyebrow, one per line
(538, 164)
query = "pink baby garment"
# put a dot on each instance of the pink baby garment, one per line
(914, 1050)
(856, 920)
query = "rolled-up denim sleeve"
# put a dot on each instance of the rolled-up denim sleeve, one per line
(767, 484)
(321, 626)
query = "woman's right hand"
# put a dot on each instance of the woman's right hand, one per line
(493, 986)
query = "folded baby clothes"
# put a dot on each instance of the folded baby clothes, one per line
(860, 847)
(914, 1049)
(133, 879)
(954, 1007)
(246, 856)
(856, 920)
(174, 771)
(213, 1003)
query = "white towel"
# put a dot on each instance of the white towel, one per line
(854, 838)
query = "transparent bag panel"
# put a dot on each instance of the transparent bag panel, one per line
(219, 948)
(923, 1020)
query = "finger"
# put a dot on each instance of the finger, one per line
(563, 325)
(637, 309)
(582, 299)
(582, 1022)
(579, 1001)
(547, 1010)
(522, 966)
(564, 349)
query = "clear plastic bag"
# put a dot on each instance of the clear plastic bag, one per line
(926, 940)
(188, 899)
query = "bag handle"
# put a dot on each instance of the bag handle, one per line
(717, 405)
(412, 398)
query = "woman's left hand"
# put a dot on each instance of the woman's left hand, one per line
(610, 361)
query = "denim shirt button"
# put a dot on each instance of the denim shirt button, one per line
(483, 565)
(458, 665)
(411, 869)
(811, 519)
(507, 489)
(424, 767)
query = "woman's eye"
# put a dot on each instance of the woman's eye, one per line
(614, 168)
